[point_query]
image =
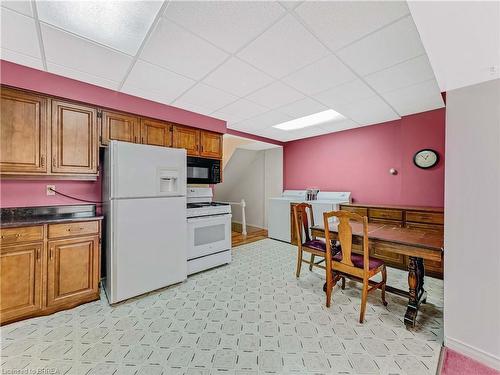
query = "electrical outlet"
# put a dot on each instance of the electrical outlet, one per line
(49, 191)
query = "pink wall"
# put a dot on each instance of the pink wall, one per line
(19, 193)
(358, 160)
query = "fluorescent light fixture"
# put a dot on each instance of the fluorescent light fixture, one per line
(310, 120)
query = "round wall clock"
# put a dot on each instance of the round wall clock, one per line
(426, 158)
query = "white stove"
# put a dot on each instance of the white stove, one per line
(209, 230)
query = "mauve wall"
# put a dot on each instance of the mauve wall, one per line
(358, 160)
(21, 193)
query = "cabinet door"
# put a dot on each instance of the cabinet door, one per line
(23, 130)
(120, 127)
(20, 281)
(156, 133)
(74, 138)
(187, 138)
(73, 270)
(211, 145)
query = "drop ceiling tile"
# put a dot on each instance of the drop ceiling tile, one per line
(275, 95)
(338, 23)
(290, 4)
(19, 33)
(174, 48)
(369, 111)
(79, 54)
(227, 24)
(240, 110)
(237, 77)
(207, 98)
(392, 45)
(161, 84)
(265, 120)
(19, 58)
(20, 6)
(311, 131)
(121, 25)
(402, 75)
(284, 48)
(336, 126)
(320, 76)
(345, 93)
(81, 76)
(273, 133)
(421, 97)
(154, 96)
(302, 107)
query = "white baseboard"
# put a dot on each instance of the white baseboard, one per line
(479, 355)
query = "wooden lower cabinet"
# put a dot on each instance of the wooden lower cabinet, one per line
(72, 270)
(42, 276)
(20, 281)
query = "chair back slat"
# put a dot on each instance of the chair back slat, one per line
(301, 213)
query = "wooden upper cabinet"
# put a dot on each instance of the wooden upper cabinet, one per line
(73, 270)
(23, 129)
(120, 127)
(156, 133)
(211, 145)
(74, 138)
(20, 281)
(187, 138)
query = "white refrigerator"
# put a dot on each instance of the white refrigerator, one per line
(144, 194)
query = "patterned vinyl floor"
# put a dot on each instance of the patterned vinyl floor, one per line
(250, 317)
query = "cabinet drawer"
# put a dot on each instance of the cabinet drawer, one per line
(380, 213)
(425, 217)
(436, 227)
(21, 234)
(388, 253)
(389, 222)
(363, 211)
(73, 229)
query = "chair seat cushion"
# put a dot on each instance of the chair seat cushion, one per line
(357, 260)
(316, 245)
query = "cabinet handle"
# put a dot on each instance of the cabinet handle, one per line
(53, 161)
(38, 254)
(51, 253)
(17, 235)
(42, 161)
(201, 148)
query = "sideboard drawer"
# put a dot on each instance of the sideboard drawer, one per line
(21, 234)
(357, 210)
(381, 213)
(425, 217)
(73, 229)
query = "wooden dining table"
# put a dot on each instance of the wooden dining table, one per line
(416, 243)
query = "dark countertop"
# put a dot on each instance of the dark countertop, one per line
(25, 216)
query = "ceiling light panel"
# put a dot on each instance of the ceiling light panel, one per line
(237, 77)
(121, 25)
(390, 46)
(172, 47)
(227, 24)
(275, 95)
(209, 99)
(310, 120)
(401, 75)
(80, 54)
(421, 97)
(320, 76)
(339, 23)
(284, 48)
(161, 84)
(20, 6)
(19, 34)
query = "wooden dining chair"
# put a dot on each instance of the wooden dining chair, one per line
(316, 247)
(346, 263)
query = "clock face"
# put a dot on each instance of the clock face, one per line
(426, 158)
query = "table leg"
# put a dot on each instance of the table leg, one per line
(416, 273)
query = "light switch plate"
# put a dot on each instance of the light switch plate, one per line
(50, 192)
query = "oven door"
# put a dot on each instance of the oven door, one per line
(208, 235)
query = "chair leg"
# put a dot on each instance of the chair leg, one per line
(299, 262)
(312, 262)
(343, 282)
(384, 280)
(364, 296)
(329, 286)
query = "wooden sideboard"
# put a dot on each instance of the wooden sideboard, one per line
(48, 268)
(48, 137)
(404, 216)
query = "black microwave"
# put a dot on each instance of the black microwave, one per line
(203, 171)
